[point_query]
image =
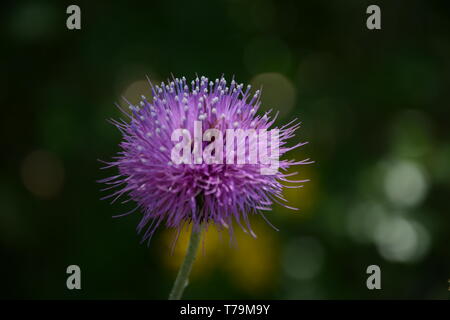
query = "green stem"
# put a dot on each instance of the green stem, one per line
(182, 279)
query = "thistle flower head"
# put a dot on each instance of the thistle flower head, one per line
(195, 190)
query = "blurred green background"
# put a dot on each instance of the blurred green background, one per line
(374, 107)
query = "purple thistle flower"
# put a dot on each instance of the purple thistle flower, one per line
(196, 193)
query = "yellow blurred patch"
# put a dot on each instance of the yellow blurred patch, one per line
(252, 264)
(208, 254)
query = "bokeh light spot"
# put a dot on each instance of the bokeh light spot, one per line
(362, 219)
(405, 183)
(136, 89)
(400, 240)
(278, 92)
(43, 174)
(303, 258)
